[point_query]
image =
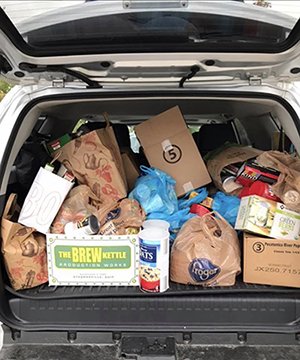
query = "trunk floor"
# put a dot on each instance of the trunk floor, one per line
(69, 292)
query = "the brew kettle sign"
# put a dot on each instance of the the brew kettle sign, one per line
(44, 200)
(171, 152)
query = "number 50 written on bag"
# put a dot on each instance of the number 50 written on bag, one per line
(43, 201)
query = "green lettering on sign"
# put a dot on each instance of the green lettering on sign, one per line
(96, 257)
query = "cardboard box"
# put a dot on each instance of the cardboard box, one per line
(131, 169)
(271, 261)
(93, 260)
(169, 146)
(269, 218)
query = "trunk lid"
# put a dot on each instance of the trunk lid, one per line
(134, 42)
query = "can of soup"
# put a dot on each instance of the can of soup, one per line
(229, 184)
(89, 225)
(154, 260)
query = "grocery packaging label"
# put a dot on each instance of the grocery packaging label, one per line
(271, 261)
(93, 260)
(256, 214)
(251, 172)
(286, 224)
(58, 143)
(267, 217)
(154, 266)
(203, 270)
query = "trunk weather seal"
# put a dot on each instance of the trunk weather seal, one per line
(16, 38)
(219, 94)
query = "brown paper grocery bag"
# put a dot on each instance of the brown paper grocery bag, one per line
(24, 251)
(80, 202)
(287, 187)
(229, 155)
(95, 160)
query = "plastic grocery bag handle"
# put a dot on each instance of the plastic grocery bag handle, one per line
(205, 227)
(146, 170)
(10, 207)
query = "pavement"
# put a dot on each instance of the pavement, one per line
(14, 351)
(93, 352)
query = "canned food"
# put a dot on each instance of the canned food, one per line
(156, 223)
(229, 184)
(154, 260)
(87, 226)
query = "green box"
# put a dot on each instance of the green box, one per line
(58, 143)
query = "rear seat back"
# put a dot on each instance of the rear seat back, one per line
(212, 136)
(122, 135)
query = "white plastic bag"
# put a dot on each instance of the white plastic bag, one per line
(44, 200)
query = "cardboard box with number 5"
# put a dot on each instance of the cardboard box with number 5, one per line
(44, 200)
(169, 146)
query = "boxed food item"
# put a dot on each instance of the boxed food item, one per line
(251, 171)
(55, 145)
(93, 260)
(266, 217)
(271, 261)
(169, 146)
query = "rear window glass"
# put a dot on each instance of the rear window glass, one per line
(136, 25)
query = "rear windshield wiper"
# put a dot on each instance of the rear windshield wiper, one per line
(31, 68)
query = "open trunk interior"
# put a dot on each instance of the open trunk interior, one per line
(246, 120)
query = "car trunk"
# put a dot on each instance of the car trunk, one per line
(254, 120)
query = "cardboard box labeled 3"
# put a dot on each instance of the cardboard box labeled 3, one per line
(271, 261)
(169, 146)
